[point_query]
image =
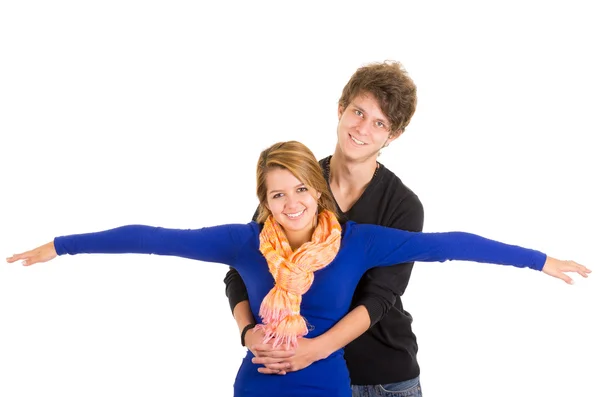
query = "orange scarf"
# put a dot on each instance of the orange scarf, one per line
(293, 272)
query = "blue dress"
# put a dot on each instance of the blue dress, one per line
(327, 301)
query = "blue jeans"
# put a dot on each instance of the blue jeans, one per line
(408, 388)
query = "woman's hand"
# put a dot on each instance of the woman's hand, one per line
(43, 253)
(557, 268)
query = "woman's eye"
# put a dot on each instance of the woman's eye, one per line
(303, 189)
(277, 195)
(380, 124)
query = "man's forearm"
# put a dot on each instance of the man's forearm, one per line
(243, 315)
(353, 325)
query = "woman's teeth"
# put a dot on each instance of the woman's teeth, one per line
(296, 215)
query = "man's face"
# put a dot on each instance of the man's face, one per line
(363, 129)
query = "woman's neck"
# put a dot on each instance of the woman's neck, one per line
(297, 238)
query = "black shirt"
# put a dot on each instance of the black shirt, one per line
(386, 353)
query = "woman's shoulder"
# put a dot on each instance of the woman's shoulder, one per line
(351, 229)
(251, 228)
(237, 232)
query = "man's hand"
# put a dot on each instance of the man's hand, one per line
(280, 361)
(255, 343)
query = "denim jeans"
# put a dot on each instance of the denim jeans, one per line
(408, 388)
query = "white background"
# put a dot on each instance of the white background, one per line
(120, 112)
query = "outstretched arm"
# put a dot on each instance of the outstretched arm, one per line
(211, 244)
(388, 246)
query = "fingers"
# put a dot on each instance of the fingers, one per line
(30, 260)
(17, 257)
(263, 350)
(572, 266)
(43, 253)
(27, 258)
(268, 371)
(268, 361)
(580, 269)
(558, 268)
(583, 273)
(565, 278)
(280, 366)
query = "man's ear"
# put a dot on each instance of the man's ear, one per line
(393, 136)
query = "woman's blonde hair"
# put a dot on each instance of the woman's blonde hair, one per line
(302, 163)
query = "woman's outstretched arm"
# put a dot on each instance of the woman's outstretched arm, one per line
(211, 244)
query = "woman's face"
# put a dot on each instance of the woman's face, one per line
(292, 203)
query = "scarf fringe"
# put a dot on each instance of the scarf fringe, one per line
(277, 305)
(286, 332)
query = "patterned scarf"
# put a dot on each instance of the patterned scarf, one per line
(293, 272)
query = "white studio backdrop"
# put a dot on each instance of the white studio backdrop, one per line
(125, 112)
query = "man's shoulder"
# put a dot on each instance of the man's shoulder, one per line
(392, 187)
(396, 205)
(323, 162)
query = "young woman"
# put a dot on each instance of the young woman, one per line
(314, 262)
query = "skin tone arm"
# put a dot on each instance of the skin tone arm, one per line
(309, 350)
(243, 316)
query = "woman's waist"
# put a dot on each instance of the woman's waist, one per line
(328, 377)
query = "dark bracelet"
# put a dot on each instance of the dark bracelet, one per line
(246, 329)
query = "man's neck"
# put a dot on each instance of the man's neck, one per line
(351, 175)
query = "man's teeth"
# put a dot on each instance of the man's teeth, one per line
(356, 140)
(296, 215)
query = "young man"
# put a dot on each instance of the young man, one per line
(376, 105)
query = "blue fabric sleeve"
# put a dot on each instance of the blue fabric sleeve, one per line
(210, 244)
(387, 246)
